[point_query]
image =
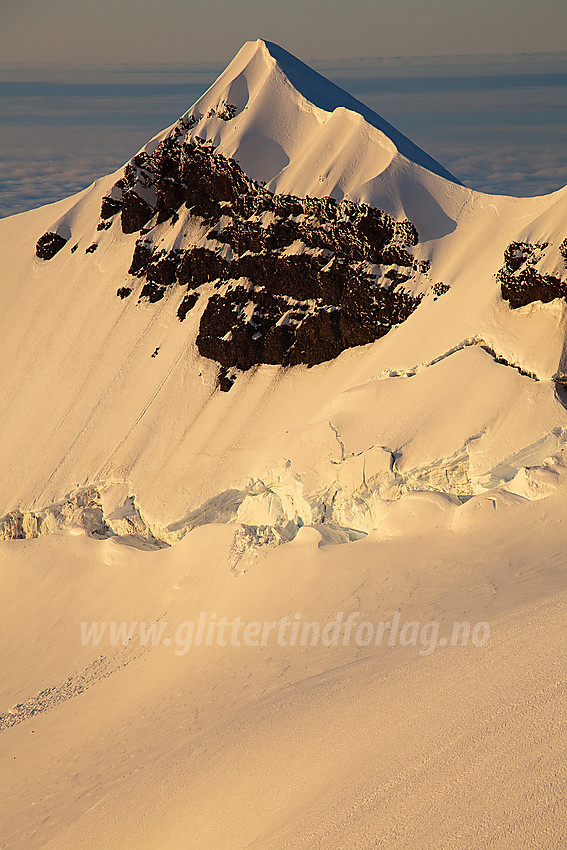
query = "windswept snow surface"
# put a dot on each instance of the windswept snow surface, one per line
(133, 490)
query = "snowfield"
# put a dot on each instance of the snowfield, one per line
(420, 476)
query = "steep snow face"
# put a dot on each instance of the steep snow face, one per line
(283, 102)
(264, 74)
(104, 385)
(299, 133)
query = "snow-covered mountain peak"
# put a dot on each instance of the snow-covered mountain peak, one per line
(207, 383)
(278, 225)
(297, 132)
(262, 68)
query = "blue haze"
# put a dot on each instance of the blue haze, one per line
(498, 123)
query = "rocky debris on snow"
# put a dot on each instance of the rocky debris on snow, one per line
(440, 289)
(73, 686)
(226, 111)
(48, 245)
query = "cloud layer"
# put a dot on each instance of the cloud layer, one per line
(500, 126)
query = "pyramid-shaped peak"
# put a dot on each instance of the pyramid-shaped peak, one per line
(259, 60)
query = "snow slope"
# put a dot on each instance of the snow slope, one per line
(135, 746)
(87, 404)
(434, 454)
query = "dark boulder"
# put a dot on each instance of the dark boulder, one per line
(109, 207)
(48, 245)
(187, 304)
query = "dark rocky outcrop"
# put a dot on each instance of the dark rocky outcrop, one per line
(153, 292)
(141, 258)
(520, 280)
(135, 212)
(48, 245)
(134, 193)
(296, 280)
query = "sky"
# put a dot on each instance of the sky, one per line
(213, 30)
